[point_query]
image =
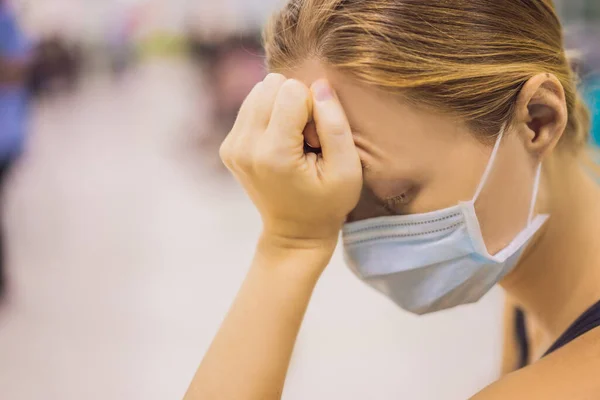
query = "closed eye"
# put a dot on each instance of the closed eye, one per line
(393, 204)
(399, 204)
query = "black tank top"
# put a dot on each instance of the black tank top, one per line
(588, 321)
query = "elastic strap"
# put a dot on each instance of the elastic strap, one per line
(536, 188)
(488, 168)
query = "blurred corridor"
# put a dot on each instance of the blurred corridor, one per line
(127, 240)
(127, 246)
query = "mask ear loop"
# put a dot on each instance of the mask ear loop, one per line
(488, 168)
(536, 188)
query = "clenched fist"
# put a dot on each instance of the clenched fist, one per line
(300, 196)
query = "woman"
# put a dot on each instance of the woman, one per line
(471, 135)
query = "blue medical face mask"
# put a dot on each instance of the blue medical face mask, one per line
(434, 261)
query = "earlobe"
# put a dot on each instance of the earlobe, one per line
(542, 113)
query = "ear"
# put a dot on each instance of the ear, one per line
(541, 113)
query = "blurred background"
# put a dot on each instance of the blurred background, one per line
(125, 240)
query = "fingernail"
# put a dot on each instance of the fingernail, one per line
(322, 90)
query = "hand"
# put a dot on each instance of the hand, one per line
(302, 198)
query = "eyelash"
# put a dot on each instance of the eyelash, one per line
(393, 203)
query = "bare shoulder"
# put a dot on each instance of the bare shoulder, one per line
(572, 372)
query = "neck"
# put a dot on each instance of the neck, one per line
(559, 276)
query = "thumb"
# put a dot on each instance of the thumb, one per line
(333, 128)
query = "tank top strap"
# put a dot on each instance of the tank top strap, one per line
(587, 322)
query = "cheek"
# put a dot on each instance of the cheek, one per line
(503, 208)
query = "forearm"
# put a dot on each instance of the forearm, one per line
(250, 355)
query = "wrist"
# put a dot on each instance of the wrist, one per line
(298, 256)
(281, 244)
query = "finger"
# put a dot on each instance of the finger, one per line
(290, 115)
(248, 108)
(257, 120)
(232, 149)
(262, 113)
(333, 128)
(243, 122)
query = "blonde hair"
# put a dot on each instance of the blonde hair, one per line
(466, 57)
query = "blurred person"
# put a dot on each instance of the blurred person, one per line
(452, 148)
(55, 66)
(233, 65)
(237, 66)
(586, 61)
(15, 60)
(120, 45)
(592, 92)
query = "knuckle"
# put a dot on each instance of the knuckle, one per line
(243, 159)
(233, 156)
(257, 88)
(250, 100)
(295, 90)
(225, 152)
(274, 79)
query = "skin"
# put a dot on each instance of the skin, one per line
(413, 161)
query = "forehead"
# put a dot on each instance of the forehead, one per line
(431, 155)
(388, 130)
